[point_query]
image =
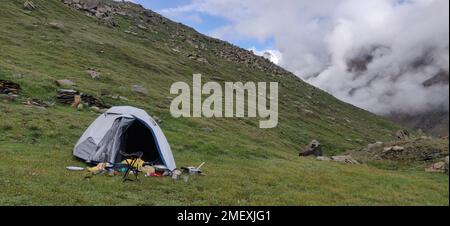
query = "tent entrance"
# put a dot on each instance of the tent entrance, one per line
(139, 138)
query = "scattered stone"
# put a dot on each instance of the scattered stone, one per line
(403, 135)
(412, 152)
(323, 158)
(438, 167)
(94, 74)
(393, 149)
(202, 60)
(29, 5)
(140, 89)
(9, 97)
(208, 129)
(131, 32)
(392, 153)
(197, 57)
(313, 149)
(36, 103)
(95, 8)
(64, 82)
(118, 97)
(95, 109)
(308, 111)
(106, 11)
(158, 120)
(12, 97)
(56, 25)
(375, 146)
(80, 106)
(19, 76)
(142, 27)
(98, 110)
(7, 87)
(347, 159)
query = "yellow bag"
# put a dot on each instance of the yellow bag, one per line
(99, 167)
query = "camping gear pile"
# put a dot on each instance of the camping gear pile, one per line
(131, 167)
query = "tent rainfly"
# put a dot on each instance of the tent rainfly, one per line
(125, 129)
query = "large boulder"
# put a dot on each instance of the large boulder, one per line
(140, 90)
(438, 167)
(313, 149)
(94, 73)
(64, 82)
(89, 4)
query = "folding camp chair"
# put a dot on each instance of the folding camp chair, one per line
(133, 157)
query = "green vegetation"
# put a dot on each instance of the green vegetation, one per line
(245, 165)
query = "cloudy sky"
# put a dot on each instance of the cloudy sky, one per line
(375, 54)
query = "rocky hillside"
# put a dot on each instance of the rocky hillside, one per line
(104, 47)
(145, 19)
(114, 53)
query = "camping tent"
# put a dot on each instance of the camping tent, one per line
(125, 129)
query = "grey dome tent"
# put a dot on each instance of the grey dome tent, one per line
(125, 129)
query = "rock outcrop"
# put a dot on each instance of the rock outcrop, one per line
(95, 8)
(75, 98)
(8, 87)
(402, 135)
(313, 149)
(149, 21)
(29, 5)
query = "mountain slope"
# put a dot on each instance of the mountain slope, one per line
(245, 164)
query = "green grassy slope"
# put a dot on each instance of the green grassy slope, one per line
(245, 165)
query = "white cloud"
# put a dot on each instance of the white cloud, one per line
(274, 56)
(318, 39)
